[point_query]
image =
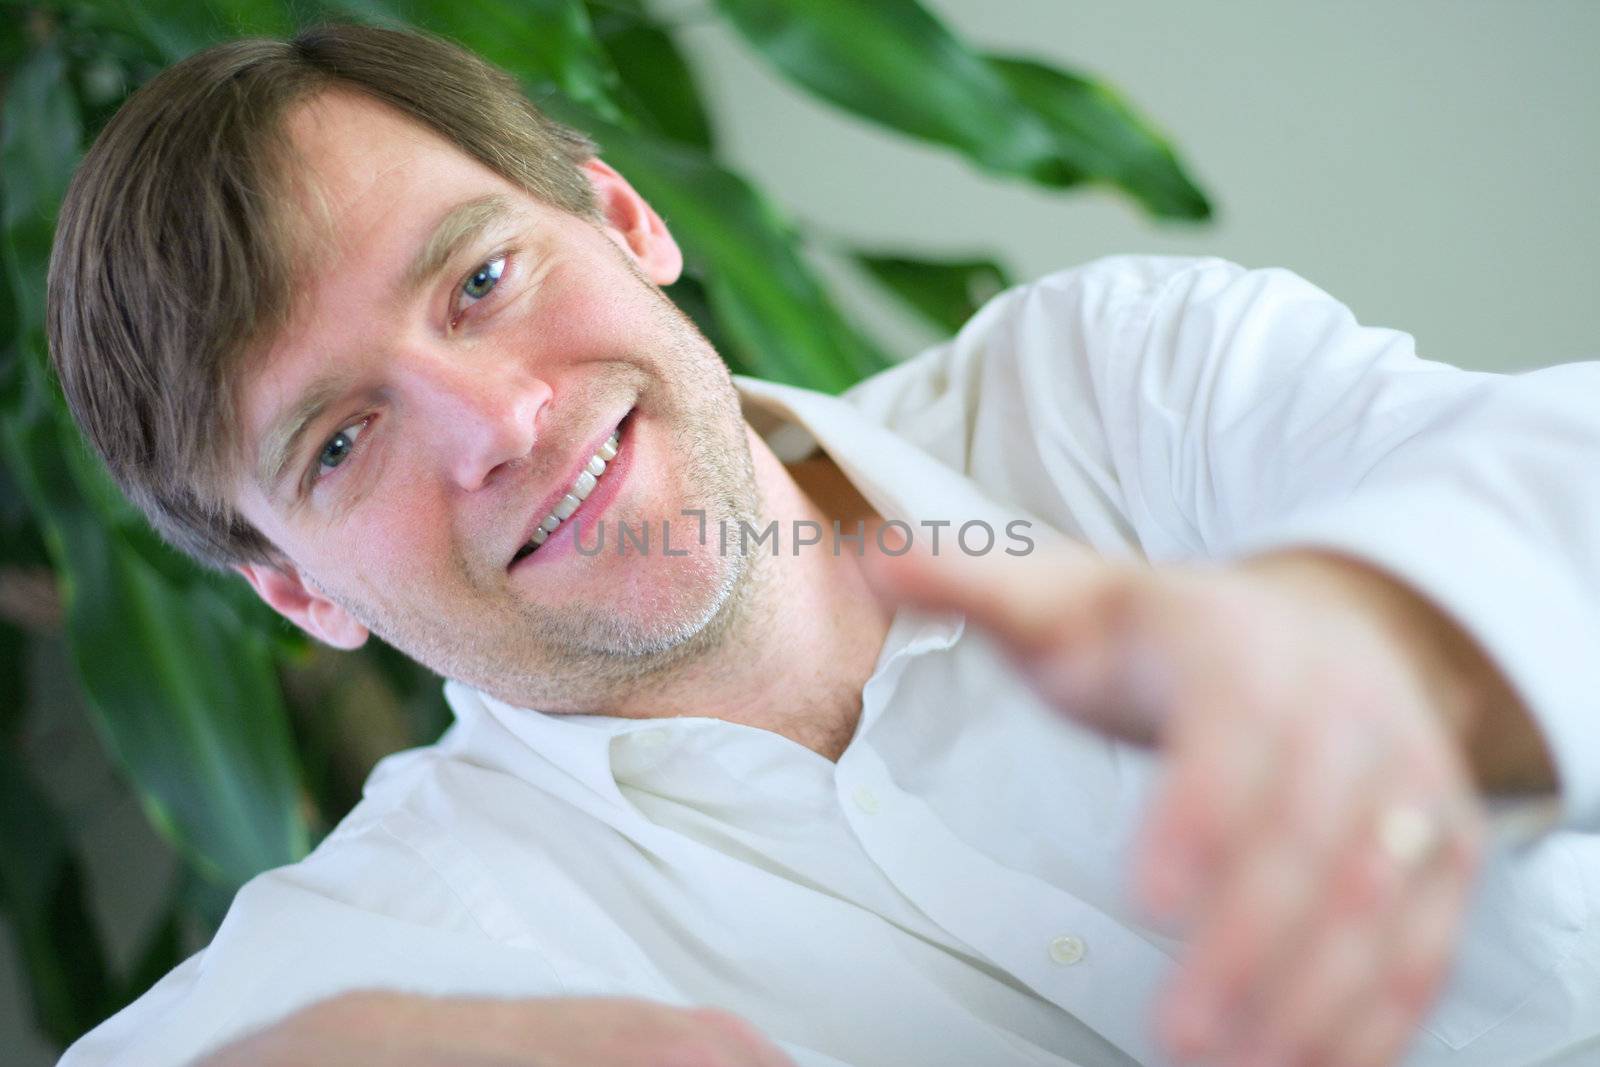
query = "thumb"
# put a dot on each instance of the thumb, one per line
(1026, 601)
(1055, 612)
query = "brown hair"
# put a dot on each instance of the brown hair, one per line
(173, 253)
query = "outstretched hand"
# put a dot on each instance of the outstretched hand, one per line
(1317, 831)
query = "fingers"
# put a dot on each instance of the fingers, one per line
(1240, 851)
(1365, 978)
(1077, 626)
(1414, 961)
(1026, 601)
(1226, 739)
(1214, 787)
(1335, 963)
(1414, 947)
(1338, 964)
(1317, 933)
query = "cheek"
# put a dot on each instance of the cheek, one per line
(397, 547)
(412, 536)
(582, 309)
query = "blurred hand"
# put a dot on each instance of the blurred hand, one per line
(1317, 830)
(378, 1029)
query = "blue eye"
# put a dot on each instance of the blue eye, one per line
(479, 283)
(339, 447)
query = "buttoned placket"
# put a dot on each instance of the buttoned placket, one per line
(1041, 935)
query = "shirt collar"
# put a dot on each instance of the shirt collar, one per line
(896, 477)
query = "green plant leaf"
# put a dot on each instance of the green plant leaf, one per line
(22, 552)
(161, 951)
(1100, 137)
(173, 29)
(189, 704)
(543, 42)
(13, 45)
(13, 679)
(893, 62)
(183, 695)
(946, 293)
(40, 142)
(203, 899)
(657, 85)
(42, 896)
(776, 316)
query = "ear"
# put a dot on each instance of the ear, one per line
(292, 596)
(634, 224)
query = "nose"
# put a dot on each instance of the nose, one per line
(486, 416)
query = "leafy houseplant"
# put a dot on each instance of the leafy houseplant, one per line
(213, 710)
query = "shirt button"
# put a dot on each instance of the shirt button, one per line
(865, 799)
(1067, 950)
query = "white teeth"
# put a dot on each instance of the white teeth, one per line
(579, 492)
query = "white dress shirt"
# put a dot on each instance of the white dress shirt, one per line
(953, 892)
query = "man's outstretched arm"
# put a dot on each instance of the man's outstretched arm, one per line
(1410, 607)
(1304, 703)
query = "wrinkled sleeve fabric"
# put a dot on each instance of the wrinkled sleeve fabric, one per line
(370, 909)
(1247, 410)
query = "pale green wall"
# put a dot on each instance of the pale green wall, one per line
(1432, 163)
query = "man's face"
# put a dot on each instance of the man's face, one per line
(454, 397)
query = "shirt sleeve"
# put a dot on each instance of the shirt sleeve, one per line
(373, 908)
(1246, 410)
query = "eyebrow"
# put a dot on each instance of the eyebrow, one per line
(460, 226)
(278, 445)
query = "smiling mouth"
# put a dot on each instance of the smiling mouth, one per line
(593, 472)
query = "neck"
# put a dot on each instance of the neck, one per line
(809, 630)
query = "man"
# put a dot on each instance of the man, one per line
(349, 316)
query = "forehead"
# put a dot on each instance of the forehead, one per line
(359, 163)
